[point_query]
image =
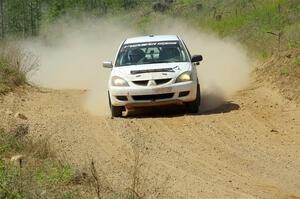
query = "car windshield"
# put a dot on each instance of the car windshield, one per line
(151, 52)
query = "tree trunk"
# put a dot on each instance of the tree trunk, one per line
(2, 18)
(24, 13)
(32, 22)
(38, 14)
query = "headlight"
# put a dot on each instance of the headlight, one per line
(184, 77)
(118, 81)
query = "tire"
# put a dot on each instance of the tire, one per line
(116, 111)
(193, 107)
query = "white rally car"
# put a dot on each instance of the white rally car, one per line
(153, 70)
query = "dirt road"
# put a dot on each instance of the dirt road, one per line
(248, 148)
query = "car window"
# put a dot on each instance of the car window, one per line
(151, 52)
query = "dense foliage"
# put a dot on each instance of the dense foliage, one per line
(262, 25)
(25, 17)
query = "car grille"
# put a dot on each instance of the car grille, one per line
(141, 83)
(153, 97)
(157, 82)
(162, 81)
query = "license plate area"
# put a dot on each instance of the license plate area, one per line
(161, 90)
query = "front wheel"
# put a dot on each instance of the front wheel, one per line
(193, 107)
(116, 111)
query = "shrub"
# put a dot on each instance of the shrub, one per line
(15, 66)
(35, 177)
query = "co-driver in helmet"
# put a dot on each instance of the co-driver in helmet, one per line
(136, 55)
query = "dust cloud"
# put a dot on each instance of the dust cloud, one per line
(225, 68)
(71, 54)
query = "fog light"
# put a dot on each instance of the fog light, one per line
(184, 93)
(122, 98)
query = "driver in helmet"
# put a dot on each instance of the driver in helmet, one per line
(136, 55)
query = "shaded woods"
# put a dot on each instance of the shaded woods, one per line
(25, 17)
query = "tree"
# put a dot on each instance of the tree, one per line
(2, 18)
(23, 17)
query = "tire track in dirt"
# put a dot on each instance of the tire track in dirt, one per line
(248, 152)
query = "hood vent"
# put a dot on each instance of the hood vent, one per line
(134, 72)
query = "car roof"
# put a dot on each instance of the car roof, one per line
(151, 38)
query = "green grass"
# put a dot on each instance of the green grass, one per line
(246, 21)
(54, 173)
(290, 68)
(9, 144)
(37, 178)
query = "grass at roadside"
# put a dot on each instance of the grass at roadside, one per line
(29, 170)
(290, 67)
(264, 27)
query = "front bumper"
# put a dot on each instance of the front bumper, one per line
(140, 96)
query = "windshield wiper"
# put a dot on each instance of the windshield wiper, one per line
(158, 62)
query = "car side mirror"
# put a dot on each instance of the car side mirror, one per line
(197, 58)
(107, 64)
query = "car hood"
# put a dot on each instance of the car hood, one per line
(151, 71)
